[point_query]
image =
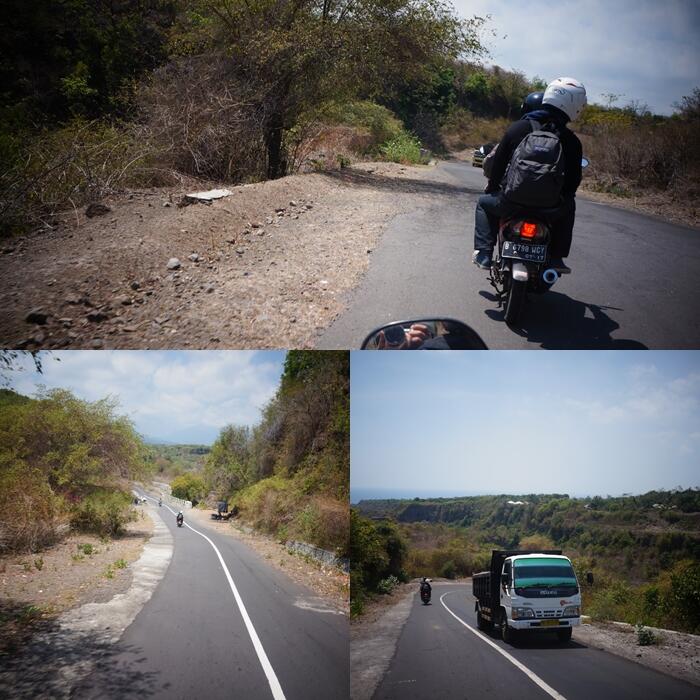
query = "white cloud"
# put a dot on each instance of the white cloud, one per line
(170, 395)
(643, 49)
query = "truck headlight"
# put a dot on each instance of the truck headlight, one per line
(572, 611)
(521, 613)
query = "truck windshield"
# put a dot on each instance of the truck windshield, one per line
(543, 573)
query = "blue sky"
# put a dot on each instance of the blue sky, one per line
(184, 397)
(581, 423)
(646, 50)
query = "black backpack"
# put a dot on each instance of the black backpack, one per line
(535, 175)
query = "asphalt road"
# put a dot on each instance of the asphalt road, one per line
(633, 284)
(438, 657)
(191, 639)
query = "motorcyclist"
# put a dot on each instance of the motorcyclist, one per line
(532, 102)
(562, 101)
(160, 502)
(425, 585)
(180, 518)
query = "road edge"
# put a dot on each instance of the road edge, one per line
(370, 660)
(70, 652)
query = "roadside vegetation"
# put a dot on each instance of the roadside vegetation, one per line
(100, 98)
(64, 463)
(377, 559)
(170, 461)
(644, 551)
(103, 96)
(288, 476)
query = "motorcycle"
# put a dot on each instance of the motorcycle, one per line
(425, 593)
(521, 261)
(424, 334)
(179, 520)
(521, 264)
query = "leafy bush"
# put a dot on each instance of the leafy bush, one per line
(404, 148)
(645, 637)
(377, 553)
(387, 585)
(448, 570)
(188, 487)
(104, 512)
(377, 121)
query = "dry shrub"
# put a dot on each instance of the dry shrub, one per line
(269, 505)
(77, 163)
(29, 511)
(204, 121)
(662, 157)
(320, 146)
(462, 129)
(325, 523)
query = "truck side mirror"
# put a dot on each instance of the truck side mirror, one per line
(589, 578)
(504, 579)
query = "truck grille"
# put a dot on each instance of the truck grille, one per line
(543, 614)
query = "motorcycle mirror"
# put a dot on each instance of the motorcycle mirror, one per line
(424, 334)
(585, 162)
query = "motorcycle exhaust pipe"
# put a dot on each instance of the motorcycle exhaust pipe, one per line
(550, 276)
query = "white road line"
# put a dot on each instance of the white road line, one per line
(532, 676)
(275, 686)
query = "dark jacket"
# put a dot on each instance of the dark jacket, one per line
(517, 131)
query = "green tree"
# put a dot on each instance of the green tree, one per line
(188, 487)
(299, 54)
(227, 467)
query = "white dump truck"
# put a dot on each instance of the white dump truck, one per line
(528, 591)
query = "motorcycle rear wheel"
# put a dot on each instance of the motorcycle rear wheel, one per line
(515, 301)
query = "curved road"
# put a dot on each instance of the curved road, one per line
(440, 654)
(192, 639)
(633, 283)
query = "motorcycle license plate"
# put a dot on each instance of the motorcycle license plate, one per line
(524, 251)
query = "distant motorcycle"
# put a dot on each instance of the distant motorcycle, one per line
(180, 518)
(425, 592)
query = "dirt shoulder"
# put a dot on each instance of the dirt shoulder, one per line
(676, 654)
(327, 582)
(266, 267)
(36, 588)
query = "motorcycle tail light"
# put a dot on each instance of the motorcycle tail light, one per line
(528, 229)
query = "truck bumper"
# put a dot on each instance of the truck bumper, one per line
(530, 624)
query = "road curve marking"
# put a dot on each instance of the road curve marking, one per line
(532, 676)
(275, 686)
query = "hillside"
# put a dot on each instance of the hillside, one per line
(644, 550)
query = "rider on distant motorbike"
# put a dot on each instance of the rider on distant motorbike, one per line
(180, 518)
(425, 585)
(563, 101)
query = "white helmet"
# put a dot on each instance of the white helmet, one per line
(566, 94)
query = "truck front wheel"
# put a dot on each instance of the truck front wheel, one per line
(564, 635)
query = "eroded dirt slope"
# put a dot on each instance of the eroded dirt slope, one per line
(266, 267)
